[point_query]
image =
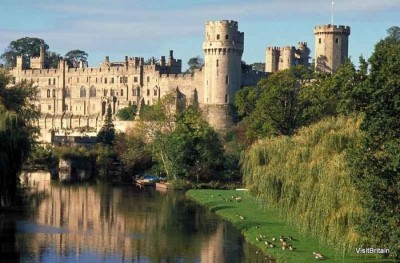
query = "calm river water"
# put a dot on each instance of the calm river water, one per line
(99, 223)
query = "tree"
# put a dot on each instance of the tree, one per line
(192, 151)
(258, 66)
(127, 113)
(26, 47)
(195, 63)
(52, 59)
(17, 134)
(74, 57)
(106, 134)
(245, 67)
(376, 164)
(244, 100)
(283, 103)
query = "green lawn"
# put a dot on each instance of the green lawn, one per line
(266, 221)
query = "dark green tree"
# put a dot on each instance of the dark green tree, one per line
(52, 59)
(127, 113)
(26, 47)
(377, 162)
(74, 57)
(17, 114)
(283, 103)
(106, 134)
(194, 63)
(258, 66)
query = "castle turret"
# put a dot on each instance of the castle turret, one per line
(223, 49)
(271, 59)
(331, 47)
(20, 63)
(39, 62)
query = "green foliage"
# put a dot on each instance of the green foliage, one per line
(133, 152)
(307, 178)
(17, 114)
(26, 47)
(192, 150)
(127, 113)
(258, 66)
(106, 162)
(52, 59)
(376, 163)
(74, 57)
(106, 134)
(194, 63)
(41, 157)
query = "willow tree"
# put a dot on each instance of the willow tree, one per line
(17, 114)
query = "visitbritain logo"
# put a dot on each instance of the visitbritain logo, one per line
(371, 250)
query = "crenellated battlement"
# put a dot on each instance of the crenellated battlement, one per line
(225, 23)
(332, 29)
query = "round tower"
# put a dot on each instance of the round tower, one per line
(331, 47)
(223, 49)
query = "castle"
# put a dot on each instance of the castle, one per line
(75, 99)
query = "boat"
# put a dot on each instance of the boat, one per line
(147, 180)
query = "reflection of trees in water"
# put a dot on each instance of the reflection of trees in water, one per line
(126, 222)
(8, 248)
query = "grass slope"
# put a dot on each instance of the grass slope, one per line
(266, 221)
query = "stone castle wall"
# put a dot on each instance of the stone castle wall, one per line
(331, 47)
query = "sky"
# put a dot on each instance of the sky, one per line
(145, 28)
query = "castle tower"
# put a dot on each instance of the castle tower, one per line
(223, 49)
(286, 58)
(331, 47)
(42, 57)
(271, 59)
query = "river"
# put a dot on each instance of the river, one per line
(101, 223)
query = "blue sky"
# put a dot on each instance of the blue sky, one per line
(146, 28)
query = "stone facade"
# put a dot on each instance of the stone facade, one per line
(73, 100)
(280, 58)
(331, 47)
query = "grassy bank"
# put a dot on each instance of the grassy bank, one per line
(266, 221)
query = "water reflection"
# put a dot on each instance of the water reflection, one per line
(98, 223)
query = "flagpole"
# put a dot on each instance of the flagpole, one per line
(333, 3)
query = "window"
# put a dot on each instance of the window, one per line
(83, 92)
(66, 107)
(49, 81)
(217, 36)
(226, 79)
(48, 93)
(92, 92)
(54, 81)
(320, 40)
(148, 79)
(155, 92)
(217, 63)
(336, 40)
(226, 98)
(54, 93)
(121, 79)
(49, 107)
(112, 92)
(148, 92)
(137, 91)
(122, 92)
(96, 80)
(112, 80)
(67, 92)
(105, 80)
(134, 79)
(226, 37)
(105, 92)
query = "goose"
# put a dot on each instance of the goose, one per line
(318, 255)
(271, 245)
(273, 239)
(242, 217)
(267, 243)
(238, 199)
(258, 240)
(292, 248)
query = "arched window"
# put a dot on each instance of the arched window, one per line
(112, 93)
(54, 93)
(67, 92)
(105, 92)
(83, 92)
(48, 93)
(122, 92)
(92, 92)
